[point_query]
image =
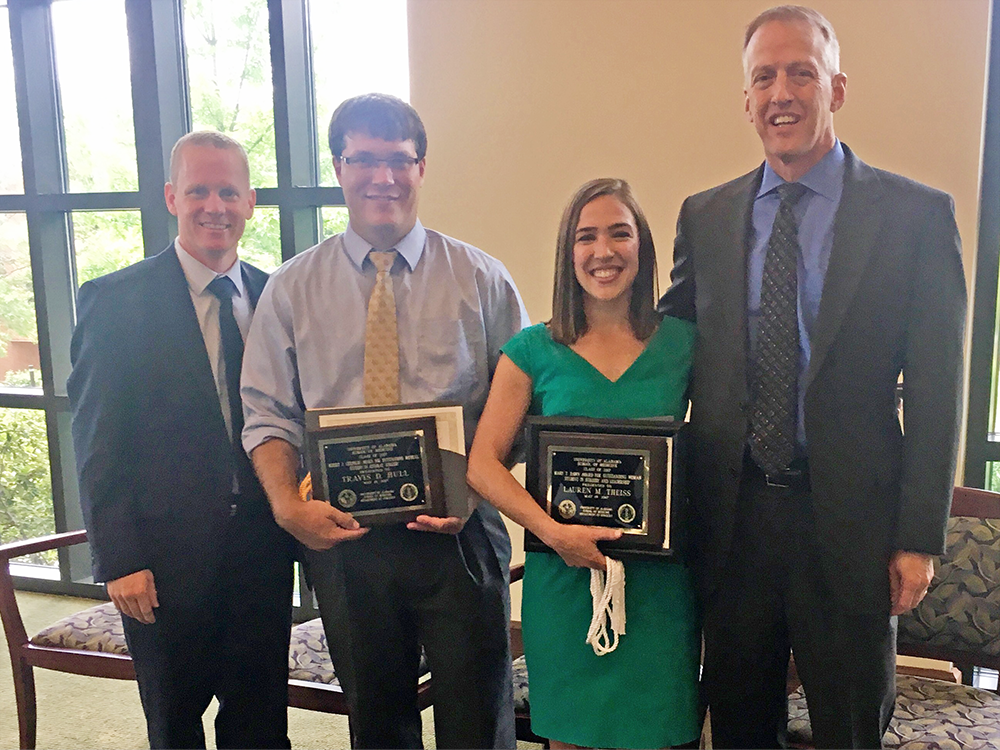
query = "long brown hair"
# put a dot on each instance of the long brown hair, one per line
(569, 321)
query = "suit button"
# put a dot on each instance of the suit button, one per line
(232, 510)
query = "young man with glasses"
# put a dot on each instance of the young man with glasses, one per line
(435, 583)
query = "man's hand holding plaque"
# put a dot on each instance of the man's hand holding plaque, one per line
(438, 525)
(318, 525)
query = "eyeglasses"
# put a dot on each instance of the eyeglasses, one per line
(368, 162)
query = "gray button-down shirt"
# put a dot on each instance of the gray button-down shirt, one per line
(455, 307)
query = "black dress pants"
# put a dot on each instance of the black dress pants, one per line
(775, 597)
(229, 641)
(387, 594)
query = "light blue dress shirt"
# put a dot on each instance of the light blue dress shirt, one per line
(815, 214)
(455, 307)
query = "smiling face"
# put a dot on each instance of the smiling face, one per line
(791, 94)
(212, 200)
(606, 250)
(381, 202)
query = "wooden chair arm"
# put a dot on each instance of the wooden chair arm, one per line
(41, 544)
(968, 501)
(516, 572)
(9, 613)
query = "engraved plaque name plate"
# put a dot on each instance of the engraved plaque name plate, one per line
(622, 474)
(382, 472)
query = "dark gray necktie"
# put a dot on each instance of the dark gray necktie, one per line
(774, 387)
(232, 354)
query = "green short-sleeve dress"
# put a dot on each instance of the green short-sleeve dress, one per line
(645, 693)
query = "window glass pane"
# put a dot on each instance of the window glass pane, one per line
(994, 423)
(18, 332)
(229, 72)
(11, 176)
(992, 476)
(985, 678)
(92, 60)
(261, 243)
(105, 241)
(25, 481)
(334, 220)
(343, 33)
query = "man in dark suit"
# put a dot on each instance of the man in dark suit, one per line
(815, 281)
(179, 527)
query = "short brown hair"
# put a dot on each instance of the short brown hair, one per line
(800, 14)
(380, 116)
(205, 138)
(569, 321)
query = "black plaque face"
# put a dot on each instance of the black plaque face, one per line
(383, 472)
(375, 473)
(612, 473)
(599, 487)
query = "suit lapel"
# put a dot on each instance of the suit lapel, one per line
(178, 323)
(736, 231)
(855, 233)
(254, 280)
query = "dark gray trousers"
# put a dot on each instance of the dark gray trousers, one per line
(774, 597)
(393, 591)
(224, 635)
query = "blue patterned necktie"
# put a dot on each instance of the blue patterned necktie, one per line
(774, 385)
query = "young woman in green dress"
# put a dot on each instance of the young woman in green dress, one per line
(605, 353)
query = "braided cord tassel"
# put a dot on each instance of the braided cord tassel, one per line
(607, 589)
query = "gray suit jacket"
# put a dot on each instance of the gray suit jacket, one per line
(893, 301)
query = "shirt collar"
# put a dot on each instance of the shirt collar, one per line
(411, 247)
(825, 178)
(199, 276)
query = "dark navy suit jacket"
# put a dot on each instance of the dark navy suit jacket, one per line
(154, 459)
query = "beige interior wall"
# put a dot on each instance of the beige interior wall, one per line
(524, 100)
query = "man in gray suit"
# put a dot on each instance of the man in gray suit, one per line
(815, 281)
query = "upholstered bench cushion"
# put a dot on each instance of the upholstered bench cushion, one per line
(930, 715)
(520, 685)
(100, 629)
(96, 629)
(309, 657)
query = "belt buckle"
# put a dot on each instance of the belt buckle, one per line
(777, 482)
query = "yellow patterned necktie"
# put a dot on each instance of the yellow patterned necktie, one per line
(381, 337)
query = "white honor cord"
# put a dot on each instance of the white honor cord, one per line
(608, 593)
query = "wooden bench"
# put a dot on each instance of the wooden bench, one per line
(92, 643)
